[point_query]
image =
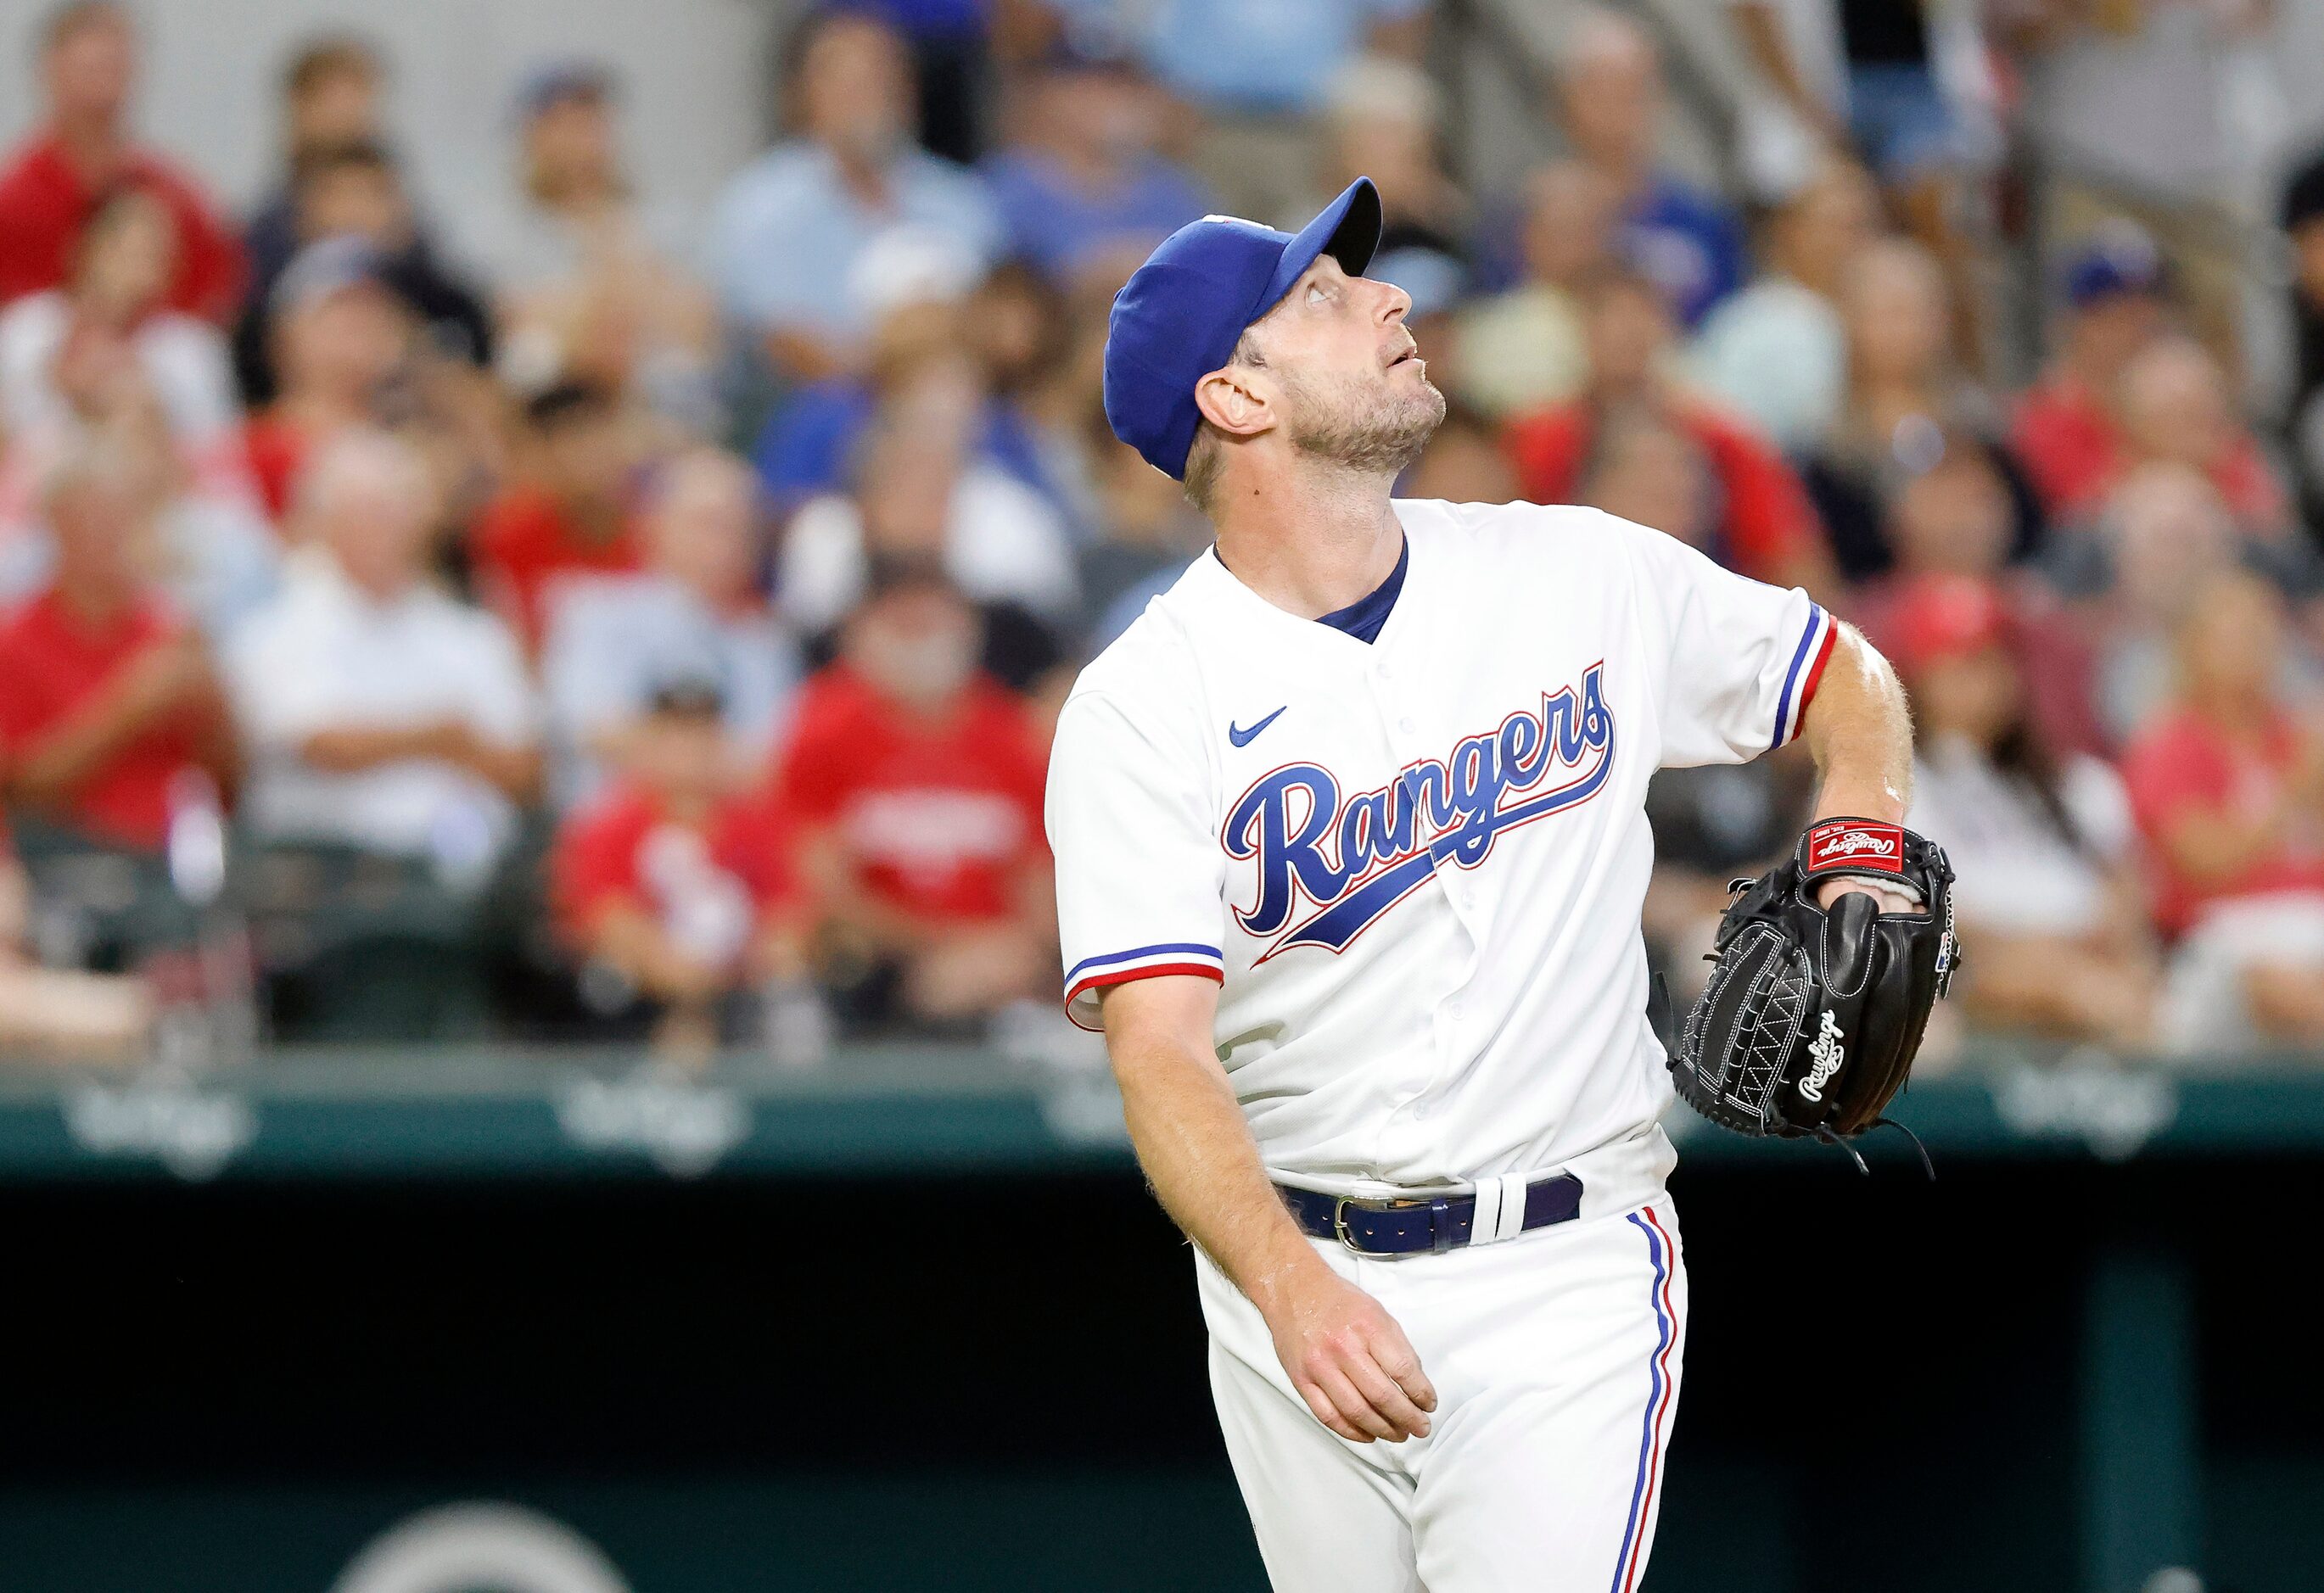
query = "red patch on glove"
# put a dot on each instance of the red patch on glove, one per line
(1847, 843)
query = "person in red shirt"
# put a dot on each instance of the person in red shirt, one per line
(2227, 785)
(2064, 432)
(915, 784)
(676, 884)
(81, 151)
(1768, 529)
(571, 515)
(110, 699)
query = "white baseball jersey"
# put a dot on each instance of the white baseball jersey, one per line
(1415, 865)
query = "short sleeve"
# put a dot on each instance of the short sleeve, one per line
(1140, 877)
(1742, 658)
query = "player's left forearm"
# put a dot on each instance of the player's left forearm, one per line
(1861, 733)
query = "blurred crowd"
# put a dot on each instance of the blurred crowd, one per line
(635, 623)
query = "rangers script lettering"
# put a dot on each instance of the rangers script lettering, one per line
(1358, 859)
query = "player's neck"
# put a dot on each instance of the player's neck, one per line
(1310, 541)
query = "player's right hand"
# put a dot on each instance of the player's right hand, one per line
(1350, 1361)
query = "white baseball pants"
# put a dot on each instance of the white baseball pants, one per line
(1555, 1356)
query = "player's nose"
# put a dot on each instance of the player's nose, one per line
(1394, 303)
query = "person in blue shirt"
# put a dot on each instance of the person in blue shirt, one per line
(1609, 84)
(1084, 180)
(792, 227)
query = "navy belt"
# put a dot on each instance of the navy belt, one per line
(1407, 1225)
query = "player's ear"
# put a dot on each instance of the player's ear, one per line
(1233, 398)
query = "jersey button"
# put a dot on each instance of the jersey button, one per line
(1405, 725)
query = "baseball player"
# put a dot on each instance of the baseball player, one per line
(1351, 853)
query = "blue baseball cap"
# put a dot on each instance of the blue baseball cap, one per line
(2119, 257)
(1179, 315)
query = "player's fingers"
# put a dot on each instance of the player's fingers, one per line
(1387, 1397)
(1321, 1408)
(1352, 1406)
(1400, 1360)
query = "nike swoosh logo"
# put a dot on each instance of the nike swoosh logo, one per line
(1243, 737)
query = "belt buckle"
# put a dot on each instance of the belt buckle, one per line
(1340, 1226)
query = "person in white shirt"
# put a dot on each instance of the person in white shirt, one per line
(696, 611)
(378, 711)
(1351, 856)
(1776, 353)
(2043, 847)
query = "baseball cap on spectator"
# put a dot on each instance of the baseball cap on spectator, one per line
(325, 267)
(2117, 258)
(1179, 315)
(555, 82)
(1940, 617)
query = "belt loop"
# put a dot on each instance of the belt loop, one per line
(1440, 1225)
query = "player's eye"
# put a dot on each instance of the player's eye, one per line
(1315, 294)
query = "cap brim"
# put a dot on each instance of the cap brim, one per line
(1348, 229)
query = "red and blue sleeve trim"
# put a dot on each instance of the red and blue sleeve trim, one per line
(1800, 680)
(1095, 973)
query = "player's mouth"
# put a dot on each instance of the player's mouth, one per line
(1406, 355)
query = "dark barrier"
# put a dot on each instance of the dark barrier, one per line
(911, 1330)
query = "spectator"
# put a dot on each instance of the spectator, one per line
(1258, 74)
(2304, 219)
(2048, 905)
(1525, 347)
(2131, 110)
(1776, 351)
(111, 699)
(570, 514)
(671, 886)
(110, 308)
(951, 69)
(81, 151)
(916, 789)
(2228, 785)
(694, 611)
(1645, 469)
(1084, 178)
(1609, 98)
(1905, 393)
(354, 190)
(343, 341)
(64, 1014)
(2164, 535)
(1953, 516)
(329, 97)
(2116, 306)
(2176, 410)
(919, 492)
(792, 227)
(1907, 83)
(583, 275)
(380, 715)
(1768, 530)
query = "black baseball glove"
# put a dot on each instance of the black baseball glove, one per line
(1810, 1022)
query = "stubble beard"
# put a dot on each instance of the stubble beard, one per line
(1368, 428)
